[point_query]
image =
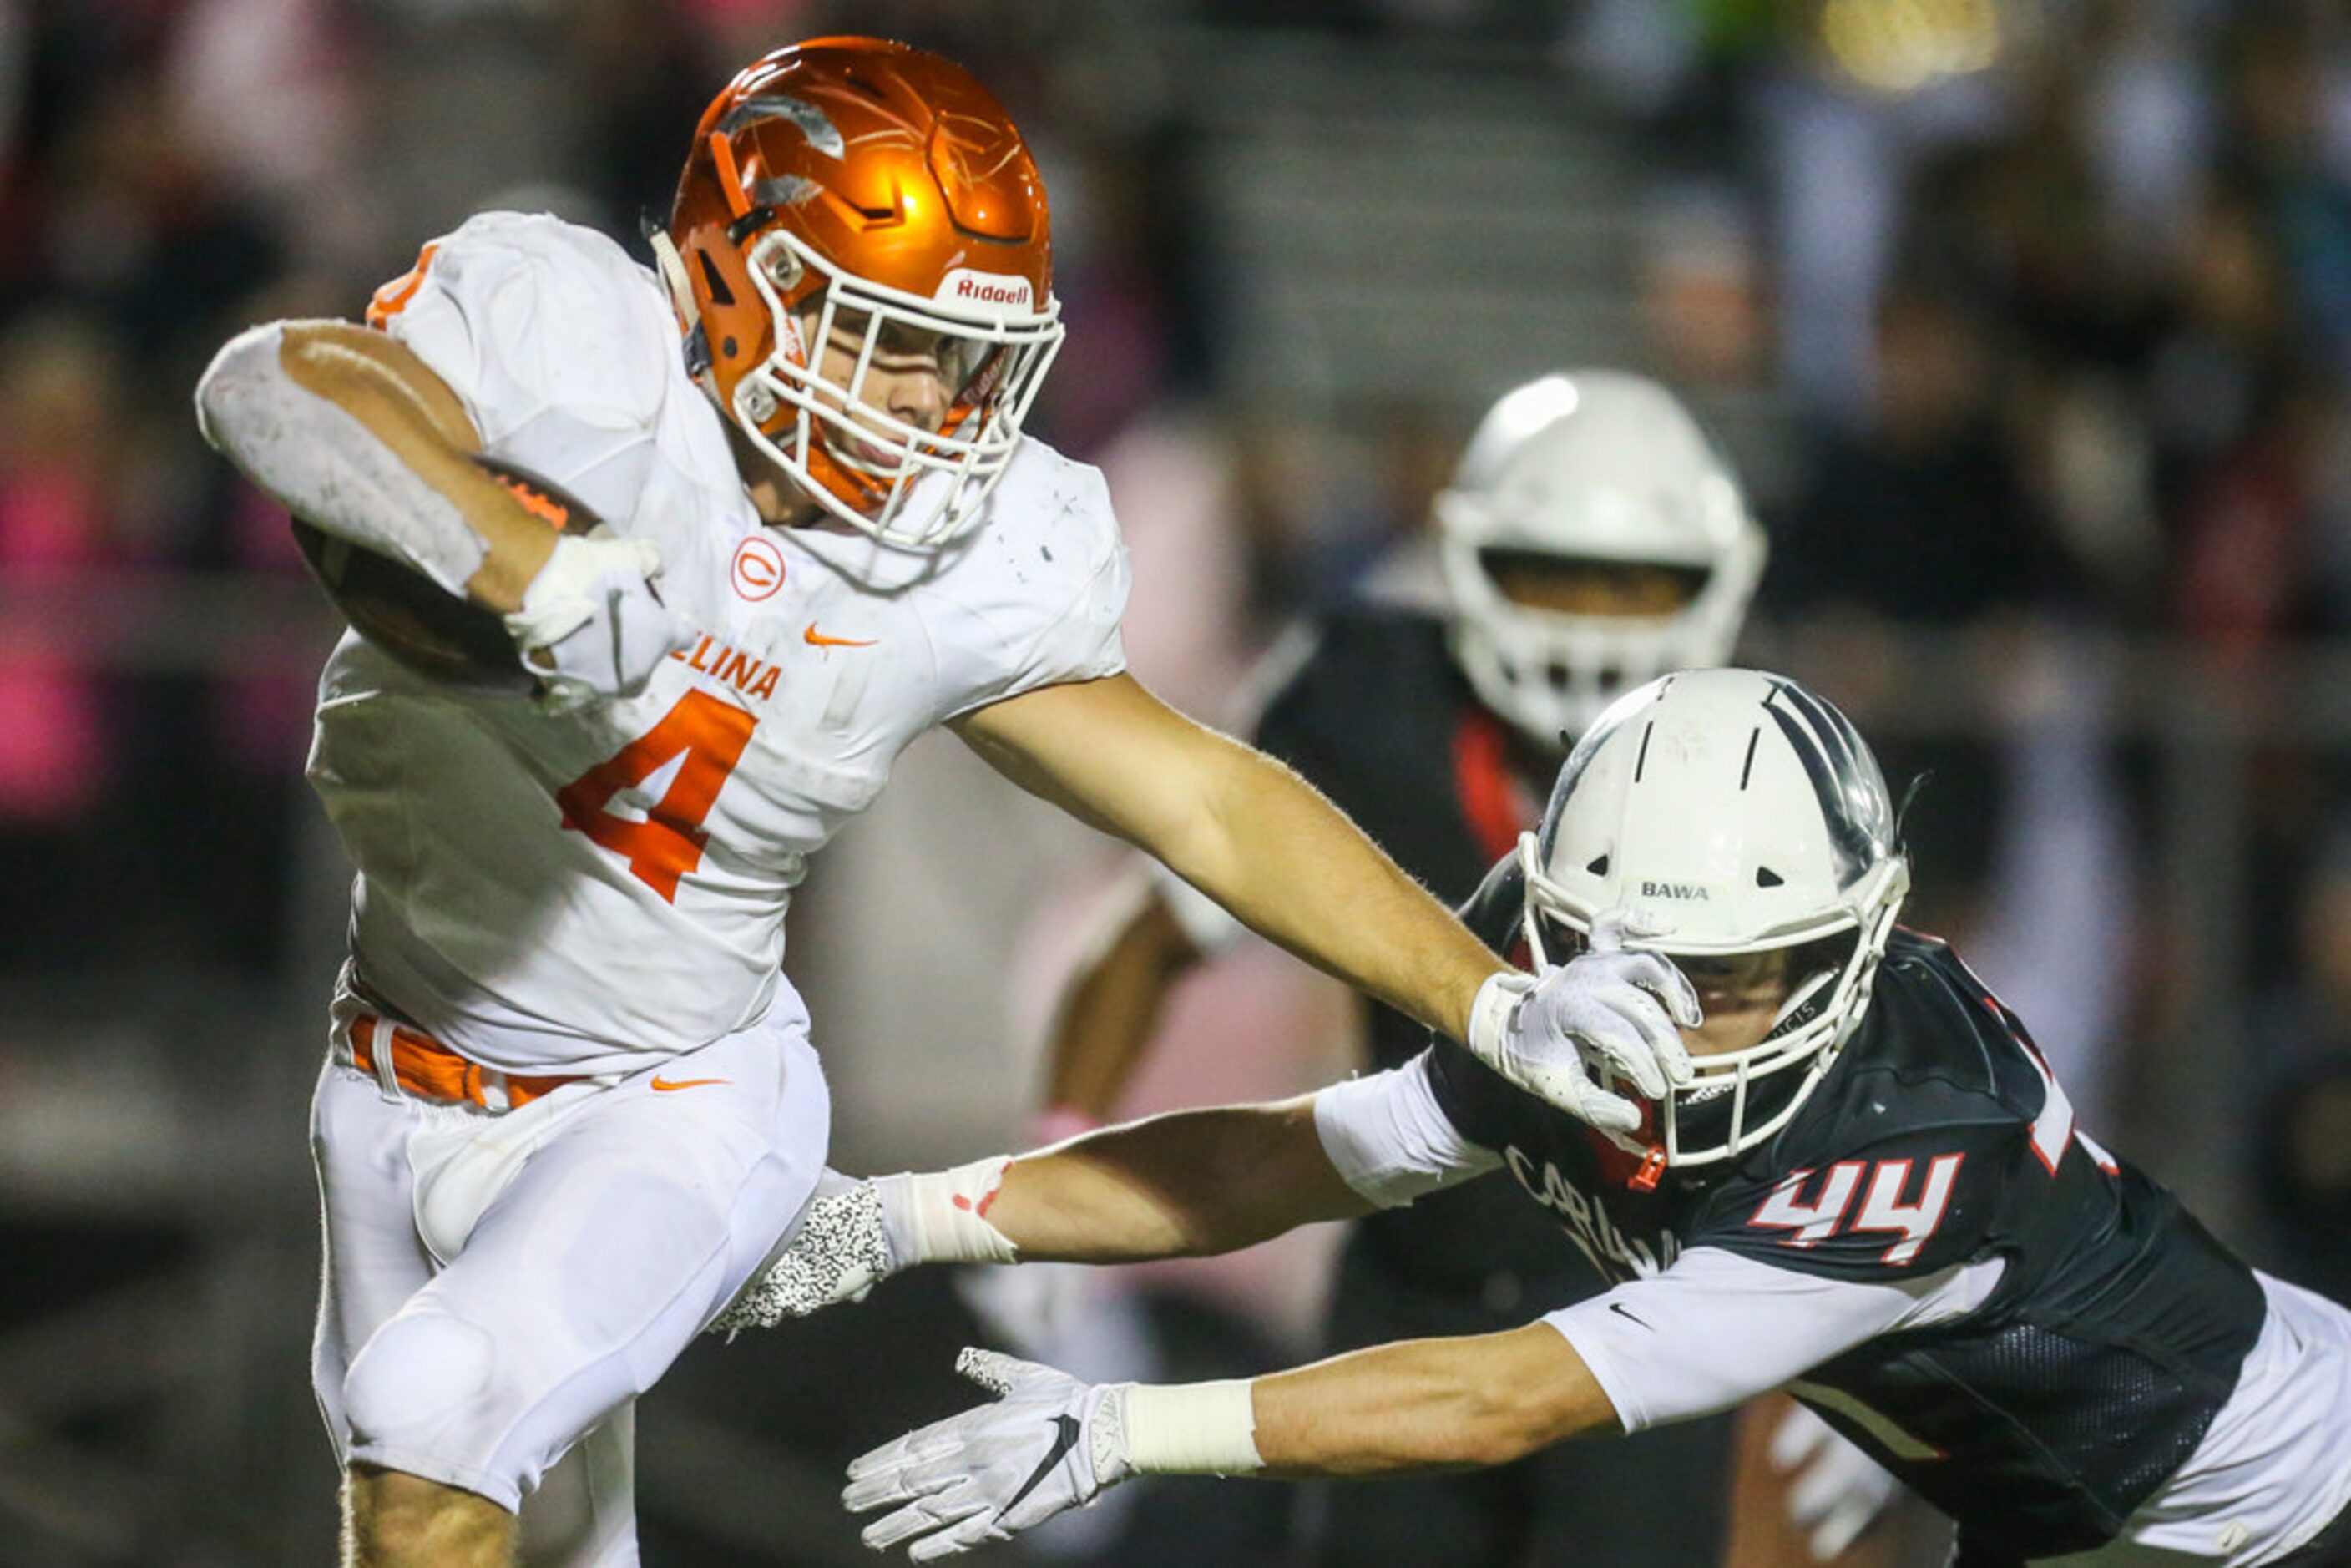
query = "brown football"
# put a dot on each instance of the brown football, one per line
(412, 618)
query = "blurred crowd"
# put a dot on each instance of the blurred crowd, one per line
(2052, 299)
(2056, 304)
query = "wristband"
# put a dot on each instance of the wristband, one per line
(944, 1214)
(1490, 1013)
(1191, 1428)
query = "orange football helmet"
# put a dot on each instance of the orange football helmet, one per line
(866, 194)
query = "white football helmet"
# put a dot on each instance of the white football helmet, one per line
(1596, 466)
(1727, 812)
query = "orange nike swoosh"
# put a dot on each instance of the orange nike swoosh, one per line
(664, 1085)
(816, 639)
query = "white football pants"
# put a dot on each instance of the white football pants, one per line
(499, 1287)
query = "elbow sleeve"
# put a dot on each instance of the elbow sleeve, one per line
(1389, 1139)
(325, 466)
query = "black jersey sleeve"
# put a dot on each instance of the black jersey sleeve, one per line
(1476, 1098)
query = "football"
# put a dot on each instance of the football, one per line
(412, 618)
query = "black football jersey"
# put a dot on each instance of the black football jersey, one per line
(1379, 717)
(1938, 1137)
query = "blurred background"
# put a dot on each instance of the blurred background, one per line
(2028, 322)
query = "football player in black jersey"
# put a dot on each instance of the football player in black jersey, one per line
(1864, 1186)
(1592, 538)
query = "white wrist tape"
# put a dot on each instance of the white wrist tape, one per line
(326, 467)
(941, 1216)
(1491, 1012)
(1191, 1428)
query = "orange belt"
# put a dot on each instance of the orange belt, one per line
(431, 1070)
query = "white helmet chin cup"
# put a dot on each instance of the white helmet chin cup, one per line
(1592, 465)
(1729, 812)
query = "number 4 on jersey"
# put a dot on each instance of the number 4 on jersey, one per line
(667, 842)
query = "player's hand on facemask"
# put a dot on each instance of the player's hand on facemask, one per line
(591, 624)
(1607, 1007)
(843, 1248)
(1046, 1443)
(1837, 1490)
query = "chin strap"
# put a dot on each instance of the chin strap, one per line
(672, 267)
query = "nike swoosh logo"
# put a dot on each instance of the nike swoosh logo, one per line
(816, 639)
(1619, 1307)
(1065, 1438)
(669, 1085)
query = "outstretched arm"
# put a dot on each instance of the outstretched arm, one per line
(1187, 1184)
(1050, 1442)
(1244, 829)
(1707, 1333)
(1184, 1185)
(1427, 1404)
(1261, 840)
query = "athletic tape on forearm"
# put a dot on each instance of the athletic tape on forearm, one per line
(326, 467)
(944, 1214)
(1192, 1428)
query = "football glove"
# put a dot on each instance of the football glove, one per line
(841, 1250)
(1607, 1007)
(1046, 1443)
(591, 624)
(857, 1234)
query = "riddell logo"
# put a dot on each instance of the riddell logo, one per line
(964, 287)
(1682, 890)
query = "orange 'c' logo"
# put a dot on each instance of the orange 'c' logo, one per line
(758, 569)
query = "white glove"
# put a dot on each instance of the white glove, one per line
(1607, 1008)
(1048, 1443)
(591, 624)
(1840, 1490)
(841, 1250)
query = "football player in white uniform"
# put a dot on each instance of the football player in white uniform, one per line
(570, 1104)
(1873, 1193)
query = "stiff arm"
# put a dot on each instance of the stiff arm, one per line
(1243, 829)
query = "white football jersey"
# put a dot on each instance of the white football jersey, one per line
(591, 891)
